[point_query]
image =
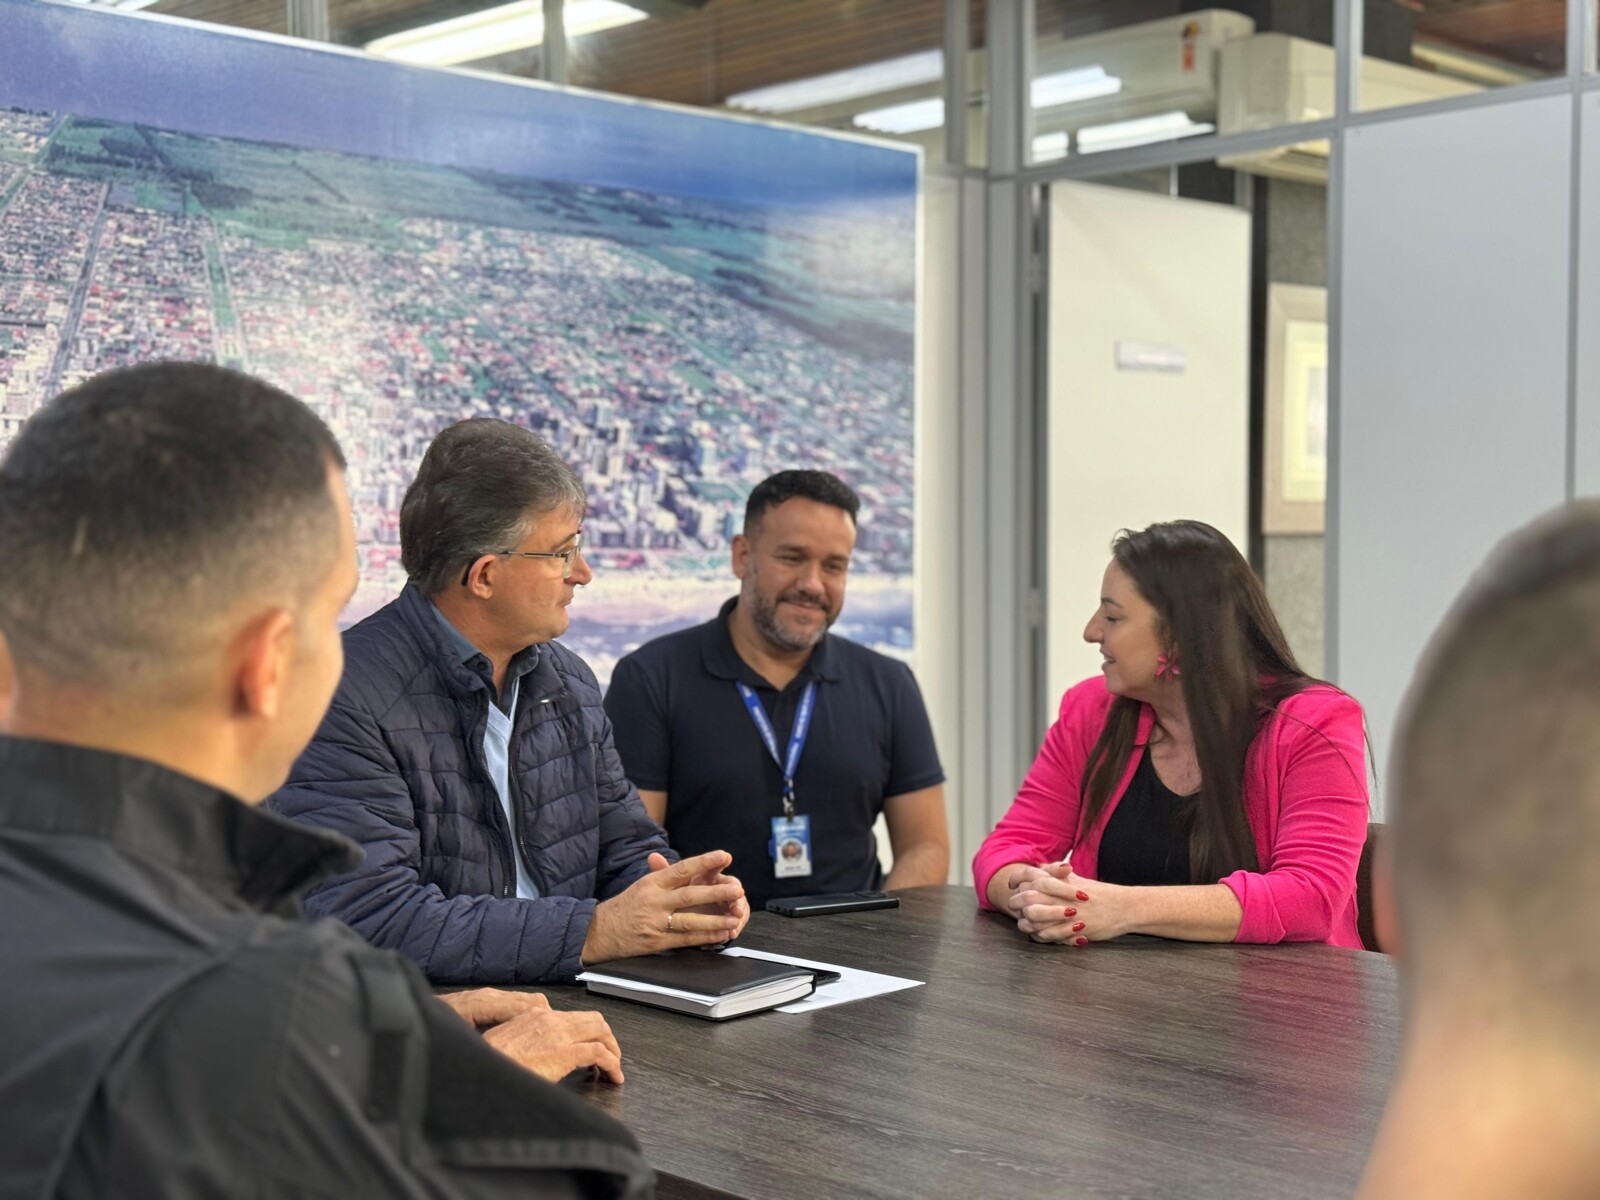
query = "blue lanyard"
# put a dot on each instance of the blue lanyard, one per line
(797, 736)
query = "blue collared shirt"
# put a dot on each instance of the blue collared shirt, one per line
(497, 733)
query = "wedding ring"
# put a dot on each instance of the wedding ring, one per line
(669, 921)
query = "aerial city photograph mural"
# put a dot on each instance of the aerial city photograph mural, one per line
(671, 331)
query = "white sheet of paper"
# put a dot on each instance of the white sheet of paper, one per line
(853, 984)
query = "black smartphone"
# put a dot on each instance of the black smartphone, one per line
(833, 902)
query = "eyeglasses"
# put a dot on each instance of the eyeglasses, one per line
(568, 557)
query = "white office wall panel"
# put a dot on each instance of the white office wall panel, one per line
(1149, 363)
(1586, 448)
(938, 530)
(1452, 392)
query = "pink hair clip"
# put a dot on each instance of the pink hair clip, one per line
(1167, 667)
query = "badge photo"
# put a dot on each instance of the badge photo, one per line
(791, 847)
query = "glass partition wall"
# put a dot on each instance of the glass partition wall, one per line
(1171, 105)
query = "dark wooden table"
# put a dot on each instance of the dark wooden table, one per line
(1130, 1068)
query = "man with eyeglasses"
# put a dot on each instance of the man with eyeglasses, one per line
(468, 753)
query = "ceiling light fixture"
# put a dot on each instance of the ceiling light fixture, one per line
(903, 118)
(1119, 135)
(1069, 87)
(911, 70)
(498, 30)
(1048, 146)
(1470, 67)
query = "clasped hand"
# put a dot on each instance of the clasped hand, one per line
(1053, 904)
(690, 903)
(523, 1027)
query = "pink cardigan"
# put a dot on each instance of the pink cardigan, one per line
(1305, 796)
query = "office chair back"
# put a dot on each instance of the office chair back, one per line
(1366, 923)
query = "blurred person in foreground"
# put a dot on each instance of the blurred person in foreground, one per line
(177, 547)
(1486, 884)
(1203, 787)
(467, 752)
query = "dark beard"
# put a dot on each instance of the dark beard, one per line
(765, 618)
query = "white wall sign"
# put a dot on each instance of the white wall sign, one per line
(1151, 356)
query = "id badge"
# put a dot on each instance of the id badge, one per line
(791, 847)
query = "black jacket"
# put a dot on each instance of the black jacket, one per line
(170, 1026)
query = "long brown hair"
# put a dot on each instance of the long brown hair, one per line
(1236, 668)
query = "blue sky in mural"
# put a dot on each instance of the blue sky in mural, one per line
(132, 68)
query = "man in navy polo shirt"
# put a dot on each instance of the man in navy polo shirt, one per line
(762, 734)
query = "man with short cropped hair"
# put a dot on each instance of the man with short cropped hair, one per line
(1495, 841)
(709, 720)
(177, 546)
(467, 751)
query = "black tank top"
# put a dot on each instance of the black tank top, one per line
(1146, 841)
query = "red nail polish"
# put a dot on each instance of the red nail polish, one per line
(1082, 941)
(1083, 895)
(1078, 928)
(1069, 912)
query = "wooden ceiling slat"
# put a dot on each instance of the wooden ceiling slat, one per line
(736, 45)
(1530, 35)
(702, 56)
(267, 16)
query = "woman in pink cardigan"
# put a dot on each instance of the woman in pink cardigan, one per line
(1204, 788)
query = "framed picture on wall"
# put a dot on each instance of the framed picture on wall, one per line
(1295, 478)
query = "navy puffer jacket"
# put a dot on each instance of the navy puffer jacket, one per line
(398, 766)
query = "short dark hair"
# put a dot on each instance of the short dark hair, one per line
(148, 501)
(1496, 776)
(482, 486)
(805, 485)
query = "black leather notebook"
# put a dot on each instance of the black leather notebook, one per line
(702, 984)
